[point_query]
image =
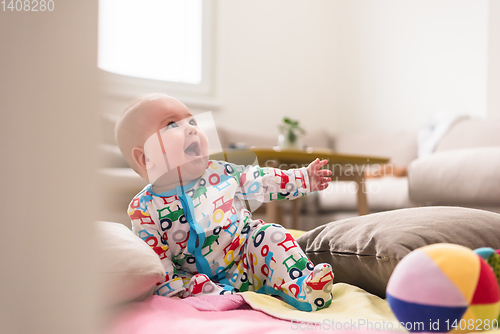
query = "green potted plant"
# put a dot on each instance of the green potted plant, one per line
(290, 134)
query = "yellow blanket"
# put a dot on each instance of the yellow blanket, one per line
(351, 309)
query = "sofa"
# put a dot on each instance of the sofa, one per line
(461, 171)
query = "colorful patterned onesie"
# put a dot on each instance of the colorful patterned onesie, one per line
(215, 247)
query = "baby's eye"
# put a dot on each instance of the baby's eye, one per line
(171, 125)
(192, 121)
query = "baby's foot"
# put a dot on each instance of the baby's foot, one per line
(318, 286)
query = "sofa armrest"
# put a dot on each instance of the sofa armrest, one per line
(457, 177)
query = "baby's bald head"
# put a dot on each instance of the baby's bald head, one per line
(141, 119)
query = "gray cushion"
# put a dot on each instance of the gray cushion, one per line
(458, 177)
(363, 251)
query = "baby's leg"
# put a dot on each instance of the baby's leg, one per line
(200, 284)
(275, 264)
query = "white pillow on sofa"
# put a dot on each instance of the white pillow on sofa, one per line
(129, 269)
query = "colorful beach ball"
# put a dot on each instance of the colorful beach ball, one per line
(444, 287)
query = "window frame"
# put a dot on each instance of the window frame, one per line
(128, 86)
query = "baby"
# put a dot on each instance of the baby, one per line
(192, 213)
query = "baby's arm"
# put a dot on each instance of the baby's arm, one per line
(144, 227)
(268, 184)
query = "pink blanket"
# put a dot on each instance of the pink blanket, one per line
(205, 314)
(201, 315)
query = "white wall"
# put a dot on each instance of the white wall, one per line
(357, 65)
(276, 58)
(48, 109)
(352, 65)
(494, 59)
(403, 61)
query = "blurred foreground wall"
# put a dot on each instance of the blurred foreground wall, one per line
(48, 107)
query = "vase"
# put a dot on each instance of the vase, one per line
(290, 142)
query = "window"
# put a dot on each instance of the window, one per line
(157, 44)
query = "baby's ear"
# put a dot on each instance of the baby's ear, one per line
(140, 158)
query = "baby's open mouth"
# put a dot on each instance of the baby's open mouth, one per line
(193, 150)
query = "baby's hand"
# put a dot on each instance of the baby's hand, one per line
(318, 178)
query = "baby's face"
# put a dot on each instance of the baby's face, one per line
(175, 141)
